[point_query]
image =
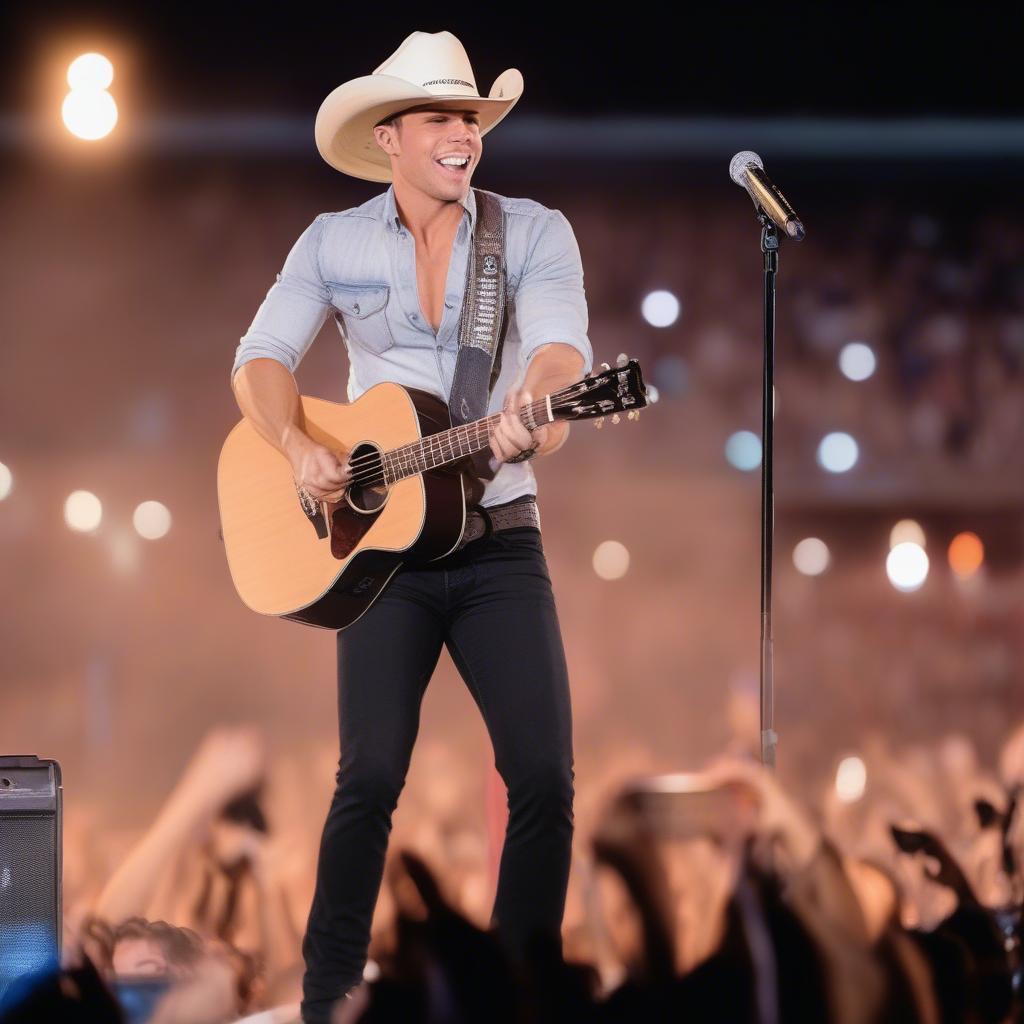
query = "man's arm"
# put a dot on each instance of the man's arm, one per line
(551, 311)
(554, 367)
(262, 376)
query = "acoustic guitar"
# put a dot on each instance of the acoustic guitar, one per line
(325, 562)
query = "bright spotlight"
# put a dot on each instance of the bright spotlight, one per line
(743, 450)
(6, 481)
(660, 309)
(851, 779)
(152, 520)
(857, 361)
(811, 556)
(837, 452)
(83, 511)
(907, 566)
(89, 114)
(90, 71)
(907, 530)
(611, 560)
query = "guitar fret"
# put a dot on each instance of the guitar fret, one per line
(448, 445)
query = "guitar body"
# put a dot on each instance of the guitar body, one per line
(326, 569)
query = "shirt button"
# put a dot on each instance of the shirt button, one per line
(355, 308)
(449, 304)
(439, 347)
(414, 316)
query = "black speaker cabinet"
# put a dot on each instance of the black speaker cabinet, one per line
(30, 866)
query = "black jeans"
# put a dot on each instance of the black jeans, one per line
(492, 604)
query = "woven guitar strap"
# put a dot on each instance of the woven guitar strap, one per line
(482, 327)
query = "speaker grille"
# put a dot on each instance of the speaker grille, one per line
(28, 895)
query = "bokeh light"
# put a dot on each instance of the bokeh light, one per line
(152, 520)
(851, 779)
(611, 560)
(837, 452)
(90, 71)
(966, 554)
(660, 309)
(743, 450)
(907, 530)
(857, 361)
(811, 556)
(83, 511)
(907, 566)
(89, 111)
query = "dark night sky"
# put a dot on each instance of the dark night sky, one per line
(828, 58)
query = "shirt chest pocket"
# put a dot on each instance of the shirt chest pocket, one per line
(361, 312)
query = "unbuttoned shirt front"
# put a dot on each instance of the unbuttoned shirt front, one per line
(359, 265)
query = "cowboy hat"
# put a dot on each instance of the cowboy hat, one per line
(429, 69)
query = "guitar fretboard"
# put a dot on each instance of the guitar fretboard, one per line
(442, 448)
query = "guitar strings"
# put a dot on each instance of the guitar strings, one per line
(368, 467)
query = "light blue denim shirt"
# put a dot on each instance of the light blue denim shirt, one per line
(360, 265)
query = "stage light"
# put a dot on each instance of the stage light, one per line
(851, 779)
(89, 115)
(743, 450)
(907, 566)
(152, 520)
(966, 554)
(611, 560)
(90, 71)
(88, 110)
(83, 511)
(6, 481)
(837, 452)
(660, 309)
(857, 361)
(907, 530)
(811, 556)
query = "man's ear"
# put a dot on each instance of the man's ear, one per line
(386, 137)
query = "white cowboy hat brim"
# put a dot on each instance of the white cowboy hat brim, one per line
(346, 118)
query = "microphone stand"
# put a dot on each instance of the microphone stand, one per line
(770, 249)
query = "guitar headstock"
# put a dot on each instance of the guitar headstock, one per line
(614, 389)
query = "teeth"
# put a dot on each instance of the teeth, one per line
(454, 161)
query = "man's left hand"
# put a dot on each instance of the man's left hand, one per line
(510, 436)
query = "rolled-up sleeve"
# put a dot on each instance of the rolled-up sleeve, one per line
(291, 315)
(550, 303)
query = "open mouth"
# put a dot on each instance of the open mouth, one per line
(454, 168)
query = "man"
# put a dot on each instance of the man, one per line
(393, 271)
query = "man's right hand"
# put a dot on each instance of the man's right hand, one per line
(324, 473)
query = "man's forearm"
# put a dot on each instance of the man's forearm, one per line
(269, 398)
(553, 367)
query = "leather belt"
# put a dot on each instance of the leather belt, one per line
(481, 520)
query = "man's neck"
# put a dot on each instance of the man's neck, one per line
(432, 221)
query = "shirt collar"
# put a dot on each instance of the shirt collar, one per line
(392, 219)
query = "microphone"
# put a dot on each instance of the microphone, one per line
(747, 170)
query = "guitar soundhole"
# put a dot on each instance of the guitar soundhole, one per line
(369, 496)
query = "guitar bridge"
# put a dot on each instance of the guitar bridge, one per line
(314, 512)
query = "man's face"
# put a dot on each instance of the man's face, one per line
(423, 138)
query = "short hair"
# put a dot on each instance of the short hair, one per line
(182, 947)
(392, 121)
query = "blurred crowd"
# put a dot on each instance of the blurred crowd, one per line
(709, 895)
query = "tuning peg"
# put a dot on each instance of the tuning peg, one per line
(615, 417)
(622, 360)
(599, 423)
(605, 366)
